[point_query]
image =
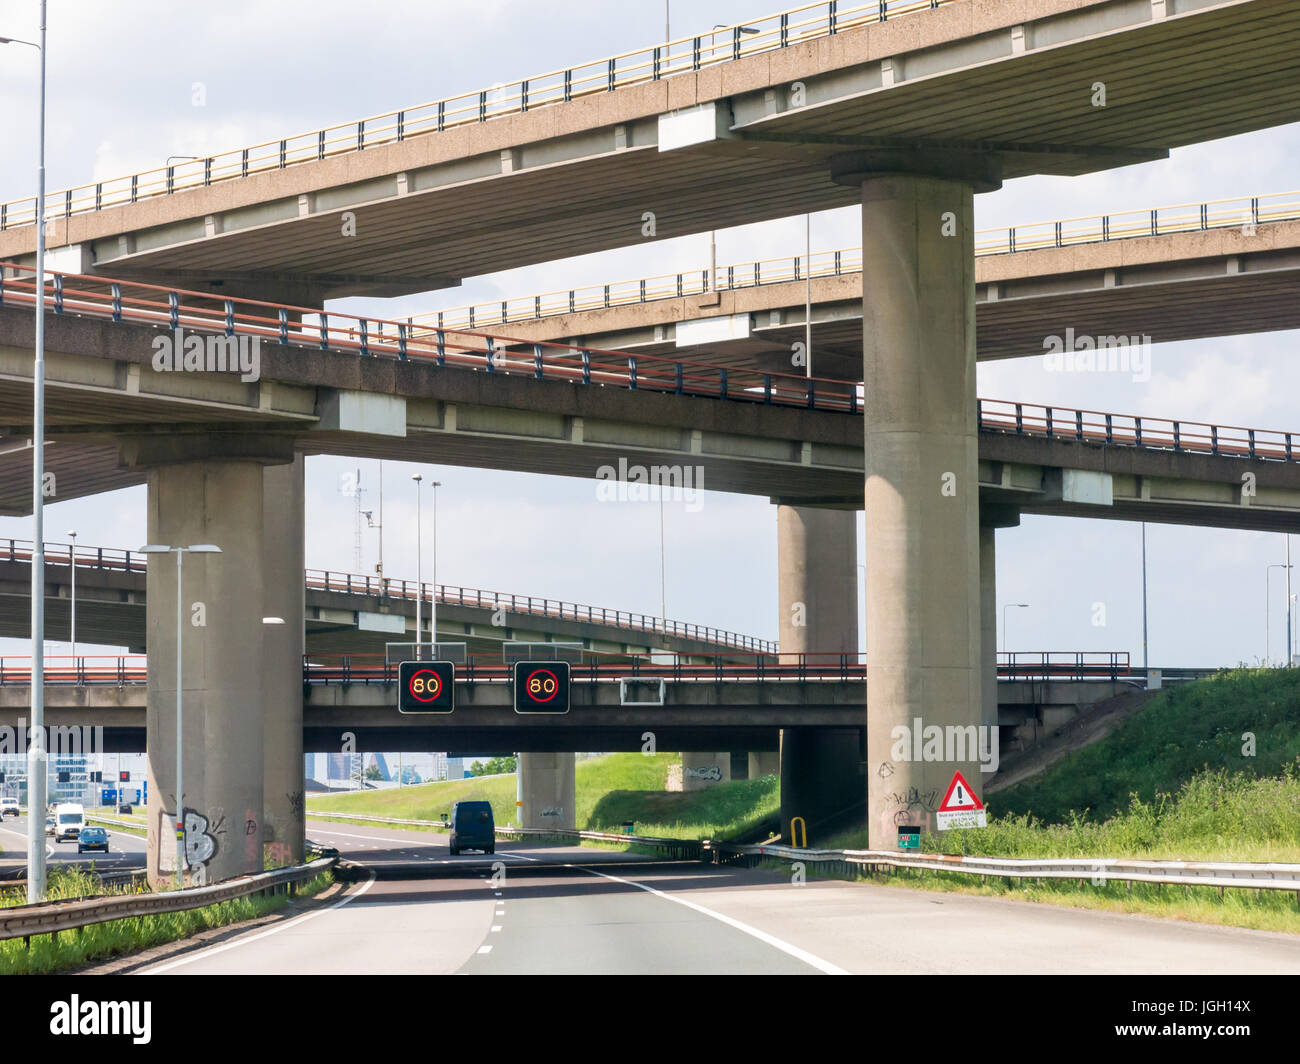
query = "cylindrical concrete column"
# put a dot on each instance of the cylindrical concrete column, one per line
(989, 626)
(821, 779)
(283, 822)
(548, 788)
(200, 502)
(764, 763)
(922, 554)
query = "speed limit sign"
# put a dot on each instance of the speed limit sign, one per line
(541, 687)
(426, 687)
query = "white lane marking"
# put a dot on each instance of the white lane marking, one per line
(785, 947)
(495, 927)
(212, 951)
(485, 949)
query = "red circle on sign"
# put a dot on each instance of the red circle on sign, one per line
(555, 690)
(433, 686)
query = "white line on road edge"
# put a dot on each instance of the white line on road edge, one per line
(213, 950)
(485, 949)
(785, 947)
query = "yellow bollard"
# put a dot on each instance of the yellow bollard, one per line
(796, 825)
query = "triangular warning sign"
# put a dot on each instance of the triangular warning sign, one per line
(960, 797)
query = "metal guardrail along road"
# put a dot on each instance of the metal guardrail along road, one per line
(23, 921)
(1221, 874)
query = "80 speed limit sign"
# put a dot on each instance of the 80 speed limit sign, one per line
(541, 686)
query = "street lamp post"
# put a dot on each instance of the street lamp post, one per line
(36, 764)
(72, 562)
(1268, 609)
(1009, 606)
(433, 593)
(180, 552)
(419, 577)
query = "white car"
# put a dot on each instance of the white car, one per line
(69, 819)
(9, 807)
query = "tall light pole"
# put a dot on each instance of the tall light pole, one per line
(180, 552)
(1010, 606)
(713, 234)
(1268, 608)
(433, 596)
(1144, 596)
(419, 578)
(36, 766)
(807, 292)
(72, 561)
(663, 569)
(1287, 663)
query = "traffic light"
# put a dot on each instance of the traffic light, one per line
(541, 687)
(65, 777)
(96, 777)
(124, 776)
(426, 687)
(2, 777)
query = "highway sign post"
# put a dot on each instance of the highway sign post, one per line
(961, 807)
(541, 686)
(426, 687)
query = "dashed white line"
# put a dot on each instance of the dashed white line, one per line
(494, 928)
(485, 949)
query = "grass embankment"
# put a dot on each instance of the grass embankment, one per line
(610, 791)
(72, 949)
(1178, 781)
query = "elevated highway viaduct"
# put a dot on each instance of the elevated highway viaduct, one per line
(114, 421)
(911, 117)
(1166, 274)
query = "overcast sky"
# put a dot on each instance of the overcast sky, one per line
(121, 80)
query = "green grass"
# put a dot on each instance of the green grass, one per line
(610, 791)
(72, 949)
(1171, 783)
(1183, 731)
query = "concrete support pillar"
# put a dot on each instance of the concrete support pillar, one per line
(217, 501)
(548, 789)
(988, 627)
(764, 763)
(821, 779)
(922, 550)
(701, 770)
(283, 821)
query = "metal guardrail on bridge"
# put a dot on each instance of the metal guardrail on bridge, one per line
(114, 560)
(685, 54)
(163, 307)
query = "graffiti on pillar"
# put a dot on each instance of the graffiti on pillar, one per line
(711, 772)
(200, 844)
(885, 770)
(252, 841)
(296, 803)
(553, 810)
(914, 799)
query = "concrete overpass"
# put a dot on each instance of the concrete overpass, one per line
(1185, 272)
(911, 117)
(741, 705)
(345, 612)
(109, 411)
(705, 132)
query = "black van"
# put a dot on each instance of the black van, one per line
(472, 827)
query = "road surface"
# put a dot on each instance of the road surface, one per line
(616, 917)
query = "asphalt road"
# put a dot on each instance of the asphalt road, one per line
(537, 916)
(124, 849)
